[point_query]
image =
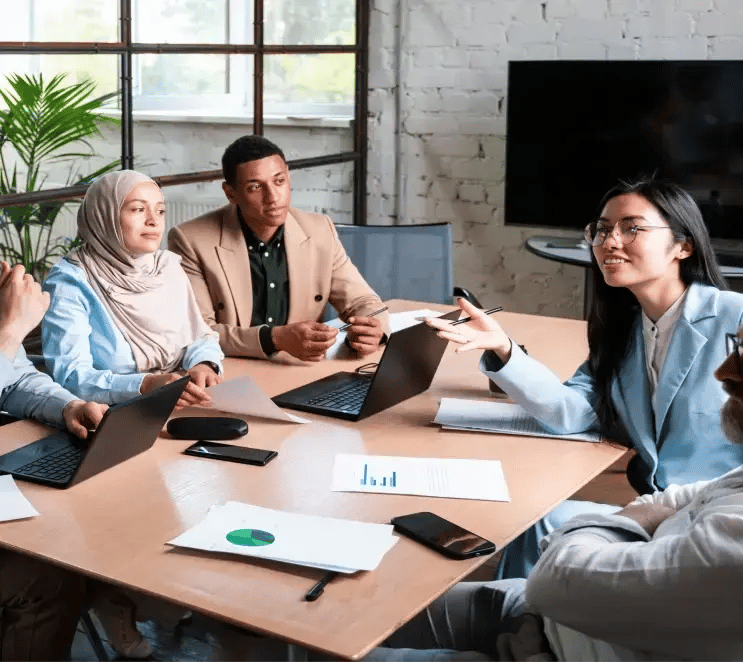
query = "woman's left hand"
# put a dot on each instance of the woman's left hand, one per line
(203, 376)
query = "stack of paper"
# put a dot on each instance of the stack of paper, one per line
(501, 417)
(319, 542)
(13, 505)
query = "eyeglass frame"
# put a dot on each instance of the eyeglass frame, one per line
(632, 230)
(733, 344)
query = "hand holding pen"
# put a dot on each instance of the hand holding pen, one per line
(478, 332)
(364, 332)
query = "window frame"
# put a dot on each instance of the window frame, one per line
(126, 48)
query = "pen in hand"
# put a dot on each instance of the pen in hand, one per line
(317, 590)
(469, 319)
(376, 312)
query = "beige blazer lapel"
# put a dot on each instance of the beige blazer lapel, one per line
(233, 256)
(300, 268)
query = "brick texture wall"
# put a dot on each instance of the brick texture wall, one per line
(439, 73)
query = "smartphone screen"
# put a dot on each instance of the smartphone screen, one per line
(217, 451)
(442, 535)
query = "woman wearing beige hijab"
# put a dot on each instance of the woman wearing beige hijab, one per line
(122, 320)
(123, 317)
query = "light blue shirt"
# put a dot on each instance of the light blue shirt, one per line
(86, 352)
(27, 393)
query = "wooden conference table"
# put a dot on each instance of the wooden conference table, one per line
(115, 526)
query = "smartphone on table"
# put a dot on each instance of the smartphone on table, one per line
(231, 453)
(442, 535)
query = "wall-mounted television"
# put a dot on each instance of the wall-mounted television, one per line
(575, 127)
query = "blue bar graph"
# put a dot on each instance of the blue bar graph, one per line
(368, 480)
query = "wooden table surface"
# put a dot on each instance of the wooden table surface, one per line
(115, 526)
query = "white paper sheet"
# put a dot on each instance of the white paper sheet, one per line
(13, 505)
(243, 396)
(398, 321)
(319, 542)
(500, 417)
(422, 476)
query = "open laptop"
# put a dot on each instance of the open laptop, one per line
(407, 367)
(127, 429)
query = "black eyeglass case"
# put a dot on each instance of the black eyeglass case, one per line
(213, 428)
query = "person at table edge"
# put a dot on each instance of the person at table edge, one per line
(263, 271)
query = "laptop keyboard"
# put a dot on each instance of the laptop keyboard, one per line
(57, 466)
(346, 398)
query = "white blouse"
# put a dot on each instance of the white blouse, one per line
(657, 337)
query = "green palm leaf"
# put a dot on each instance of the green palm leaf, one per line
(44, 121)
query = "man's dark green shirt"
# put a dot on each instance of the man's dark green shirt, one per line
(270, 280)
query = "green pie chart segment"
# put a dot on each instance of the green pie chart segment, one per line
(250, 537)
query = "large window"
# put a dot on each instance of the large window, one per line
(192, 75)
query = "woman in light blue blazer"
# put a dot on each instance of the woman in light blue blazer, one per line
(123, 319)
(656, 330)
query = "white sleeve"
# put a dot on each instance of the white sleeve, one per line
(605, 580)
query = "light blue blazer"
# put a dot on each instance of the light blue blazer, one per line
(86, 352)
(682, 440)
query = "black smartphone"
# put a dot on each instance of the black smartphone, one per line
(217, 451)
(442, 535)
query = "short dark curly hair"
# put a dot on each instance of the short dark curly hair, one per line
(243, 150)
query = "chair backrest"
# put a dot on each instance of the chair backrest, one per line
(403, 261)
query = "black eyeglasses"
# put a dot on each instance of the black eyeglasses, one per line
(597, 232)
(734, 344)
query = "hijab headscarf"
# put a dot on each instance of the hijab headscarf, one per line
(148, 296)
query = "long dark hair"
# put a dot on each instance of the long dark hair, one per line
(614, 310)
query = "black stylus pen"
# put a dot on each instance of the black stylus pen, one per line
(469, 319)
(317, 590)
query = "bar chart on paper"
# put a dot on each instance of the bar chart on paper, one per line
(440, 477)
(370, 480)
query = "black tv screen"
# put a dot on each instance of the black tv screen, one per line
(575, 127)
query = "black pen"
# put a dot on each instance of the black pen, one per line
(485, 312)
(376, 312)
(317, 590)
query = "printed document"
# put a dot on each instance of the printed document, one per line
(422, 476)
(13, 505)
(501, 417)
(243, 396)
(319, 542)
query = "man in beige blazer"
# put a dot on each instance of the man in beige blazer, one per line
(262, 271)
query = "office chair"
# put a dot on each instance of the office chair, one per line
(405, 261)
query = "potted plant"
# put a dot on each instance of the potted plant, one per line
(44, 124)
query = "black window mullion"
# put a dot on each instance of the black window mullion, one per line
(127, 107)
(258, 68)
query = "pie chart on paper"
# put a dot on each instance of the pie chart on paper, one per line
(250, 537)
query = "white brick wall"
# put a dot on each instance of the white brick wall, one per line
(453, 90)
